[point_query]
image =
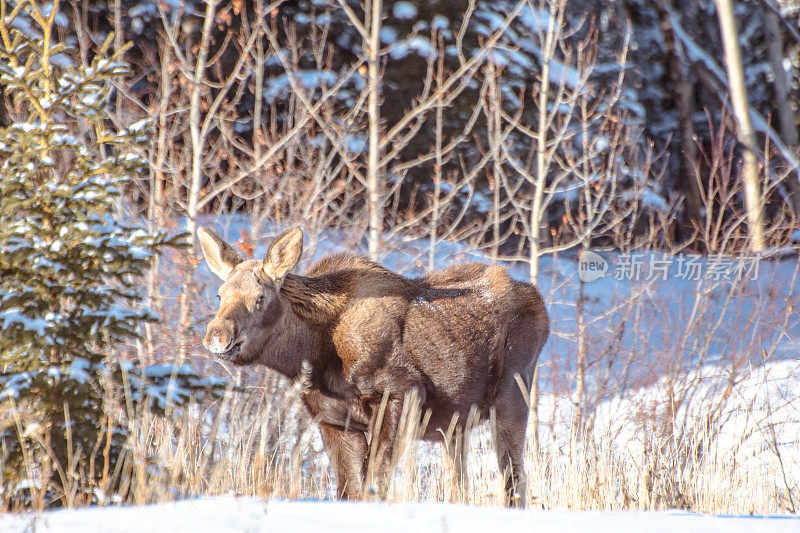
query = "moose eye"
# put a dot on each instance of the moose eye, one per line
(259, 301)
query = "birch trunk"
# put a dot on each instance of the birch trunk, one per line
(683, 97)
(196, 174)
(783, 106)
(741, 111)
(374, 191)
(494, 132)
(258, 215)
(580, 385)
(437, 188)
(119, 41)
(538, 194)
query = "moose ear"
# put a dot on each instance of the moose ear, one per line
(220, 256)
(283, 254)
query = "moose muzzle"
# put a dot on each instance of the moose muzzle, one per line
(220, 337)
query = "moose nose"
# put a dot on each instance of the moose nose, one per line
(219, 336)
(216, 344)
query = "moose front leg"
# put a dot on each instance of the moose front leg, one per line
(347, 452)
(342, 427)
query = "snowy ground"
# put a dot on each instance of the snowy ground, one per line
(717, 334)
(760, 414)
(251, 515)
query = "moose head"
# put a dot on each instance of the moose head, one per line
(248, 297)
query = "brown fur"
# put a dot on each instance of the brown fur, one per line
(457, 338)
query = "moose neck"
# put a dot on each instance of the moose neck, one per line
(316, 300)
(311, 307)
(298, 328)
(287, 341)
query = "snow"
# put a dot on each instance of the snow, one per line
(535, 20)
(647, 198)
(251, 514)
(388, 35)
(138, 25)
(62, 61)
(356, 143)
(140, 125)
(280, 86)
(495, 20)
(399, 51)
(91, 99)
(420, 45)
(499, 58)
(765, 400)
(563, 74)
(696, 53)
(440, 22)
(79, 370)
(27, 127)
(24, 25)
(560, 73)
(164, 371)
(404, 10)
(142, 10)
(61, 18)
(15, 383)
(13, 316)
(482, 203)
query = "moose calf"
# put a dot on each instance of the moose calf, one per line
(466, 338)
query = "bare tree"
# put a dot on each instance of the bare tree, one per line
(741, 110)
(374, 189)
(678, 69)
(568, 108)
(210, 92)
(369, 29)
(198, 137)
(785, 111)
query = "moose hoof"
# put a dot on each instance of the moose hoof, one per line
(371, 494)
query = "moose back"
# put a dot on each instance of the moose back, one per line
(465, 338)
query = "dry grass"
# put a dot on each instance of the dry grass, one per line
(682, 433)
(259, 442)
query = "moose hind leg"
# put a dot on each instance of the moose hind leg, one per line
(383, 432)
(456, 450)
(390, 430)
(347, 452)
(510, 425)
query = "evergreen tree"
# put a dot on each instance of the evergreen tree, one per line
(70, 269)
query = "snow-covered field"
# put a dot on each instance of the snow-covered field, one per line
(719, 363)
(693, 398)
(252, 515)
